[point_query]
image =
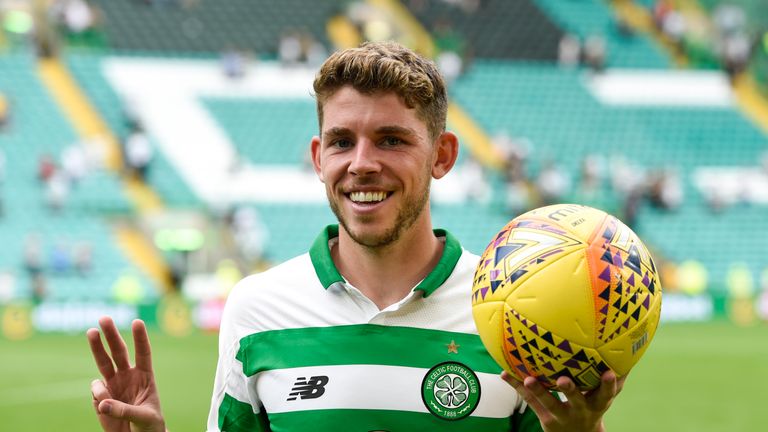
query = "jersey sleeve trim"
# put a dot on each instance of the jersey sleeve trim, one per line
(236, 416)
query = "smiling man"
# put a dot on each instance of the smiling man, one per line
(372, 329)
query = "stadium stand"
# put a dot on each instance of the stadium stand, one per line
(497, 30)
(210, 26)
(592, 17)
(513, 87)
(38, 129)
(86, 67)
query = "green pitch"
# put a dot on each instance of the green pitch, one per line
(695, 377)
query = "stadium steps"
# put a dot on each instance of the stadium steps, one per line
(84, 118)
(92, 128)
(342, 33)
(411, 29)
(86, 67)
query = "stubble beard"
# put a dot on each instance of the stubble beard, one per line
(407, 215)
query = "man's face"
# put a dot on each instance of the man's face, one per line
(376, 160)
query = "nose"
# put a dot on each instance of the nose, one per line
(365, 159)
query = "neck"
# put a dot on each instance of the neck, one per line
(387, 274)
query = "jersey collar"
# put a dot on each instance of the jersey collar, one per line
(326, 270)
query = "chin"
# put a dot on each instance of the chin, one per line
(371, 237)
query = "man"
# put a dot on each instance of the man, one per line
(372, 329)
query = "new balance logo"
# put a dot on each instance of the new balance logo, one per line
(311, 388)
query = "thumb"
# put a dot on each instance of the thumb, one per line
(132, 413)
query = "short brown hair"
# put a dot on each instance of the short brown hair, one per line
(386, 67)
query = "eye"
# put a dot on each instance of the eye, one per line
(342, 143)
(391, 141)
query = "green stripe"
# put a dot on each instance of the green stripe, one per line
(236, 416)
(380, 420)
(527, 421)
(444, 268)
(360, 344)
(328, 274)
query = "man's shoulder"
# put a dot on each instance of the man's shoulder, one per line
(296, 267)
(295, 272)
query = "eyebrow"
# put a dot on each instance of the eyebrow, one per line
(396, 130)
(336, 132)
(383, 130)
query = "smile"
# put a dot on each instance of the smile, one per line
(368, 197)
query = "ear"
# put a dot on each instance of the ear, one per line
(446, 153)
(315, 148)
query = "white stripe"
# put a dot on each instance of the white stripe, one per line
(373, 387)
(661, 88)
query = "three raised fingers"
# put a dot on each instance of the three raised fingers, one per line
(141, 346)
(103, 361)
(116, 343)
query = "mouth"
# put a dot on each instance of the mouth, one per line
(368, 197)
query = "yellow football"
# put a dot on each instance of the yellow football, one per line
(566, 290)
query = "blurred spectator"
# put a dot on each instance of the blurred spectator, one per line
(83, 258)
(138, 153)
(233, 63)
(289, 48)
(569, 51)
(74, 163)
(631, 206)
(673, 26)
(313, 50)
(625, 178)
(249, 232)
(729, 18)
(7, 286)
(77, 16)
(45, 35)
(178, 268)
(552, 184)
(451, 49)
(518, 197)
(46, 167)
(57, 191)
(665, 190)
(590, 179)
(60, 262)
(514, 152)
(33, 255)
(5, 112)
(39, 288)
(473, 175)
(660, 10)
(735, 52)
(131, 111)
(595, 53)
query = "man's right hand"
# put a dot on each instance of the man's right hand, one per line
(126, 399)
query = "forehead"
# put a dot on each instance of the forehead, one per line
(349, 108)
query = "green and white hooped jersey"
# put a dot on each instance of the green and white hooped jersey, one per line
(301, 349)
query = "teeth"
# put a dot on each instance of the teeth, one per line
(367, 196)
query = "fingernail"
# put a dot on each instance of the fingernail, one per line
(106, 408)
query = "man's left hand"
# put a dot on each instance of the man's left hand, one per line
(581, 412)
